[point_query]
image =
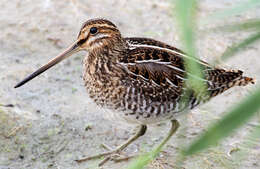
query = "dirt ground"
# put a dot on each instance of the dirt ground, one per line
(50, 121)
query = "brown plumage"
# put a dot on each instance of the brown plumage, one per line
(141, 80)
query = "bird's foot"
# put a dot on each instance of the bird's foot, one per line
(112, 155)
(116, 154)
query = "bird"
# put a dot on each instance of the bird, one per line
(141, 80)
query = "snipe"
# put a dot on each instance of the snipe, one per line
(141, 80)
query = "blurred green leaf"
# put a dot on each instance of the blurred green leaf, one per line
(186, 12)
(143, 160)
(186, 16)
(239, 9)
(248, 25)
(234, 119)
(251, 141)
(238, 47)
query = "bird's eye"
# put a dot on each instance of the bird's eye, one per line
(93, 30)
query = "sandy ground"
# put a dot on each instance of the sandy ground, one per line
(51, 121)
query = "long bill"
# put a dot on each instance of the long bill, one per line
(68, 52)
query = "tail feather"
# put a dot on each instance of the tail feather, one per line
(243, 81)
(219, 80)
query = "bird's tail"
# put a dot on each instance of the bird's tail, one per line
(243, 81)
(219, 80)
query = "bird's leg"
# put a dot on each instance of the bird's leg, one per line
(116, 151)
(141, 132)
(174, 127)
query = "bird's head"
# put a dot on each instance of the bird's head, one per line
(95, 34)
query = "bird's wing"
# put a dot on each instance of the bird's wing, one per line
(157, 62)
(158, 69)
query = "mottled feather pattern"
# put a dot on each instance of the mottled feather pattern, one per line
(144, 78)
(139, 80)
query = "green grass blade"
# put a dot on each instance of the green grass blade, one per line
(143, 160)
(239, 46)
(251, 141)
(248, 25)
(239, 9)
(234, 119)
(186, 12)
(186, 16)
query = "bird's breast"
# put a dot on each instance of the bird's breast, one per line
(112, 88)
(103, 85)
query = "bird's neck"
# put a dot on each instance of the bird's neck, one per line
(109, 50)
(103, 61)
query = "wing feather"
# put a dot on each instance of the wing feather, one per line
(159, 69)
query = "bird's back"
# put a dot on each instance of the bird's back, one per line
(156, 76)
(147, 81)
